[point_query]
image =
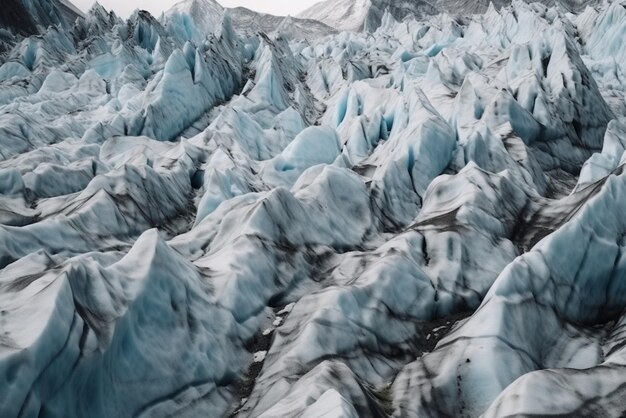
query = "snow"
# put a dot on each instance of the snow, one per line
(259, 356)
(369, 15)
(342, 15)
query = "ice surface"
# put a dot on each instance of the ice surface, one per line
(421, 219)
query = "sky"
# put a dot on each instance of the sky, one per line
(124, 8)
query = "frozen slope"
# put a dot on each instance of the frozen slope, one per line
(194, 19)
(343, 15)
(357, 15)
(27, 17)
(252, 23)
(424, 220)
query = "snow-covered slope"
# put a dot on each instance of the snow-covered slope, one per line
(342, 14)
(424, 220)
(28, 17)
(251, 23)
(356, 15)
(196, 18)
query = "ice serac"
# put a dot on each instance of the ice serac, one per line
(556, 307)
(193, 19)
(191, 83)
(227, 214)
(135, 312)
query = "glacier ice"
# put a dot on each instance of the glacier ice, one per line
(221, 213)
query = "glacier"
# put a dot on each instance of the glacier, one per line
(407, 211)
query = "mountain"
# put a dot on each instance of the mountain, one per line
(356, 15)
(27, 17)
(250, 22)
(69, 11)
(204, 16)
(343, 15)
(426, 220)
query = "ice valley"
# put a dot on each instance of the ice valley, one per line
(426, 219)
